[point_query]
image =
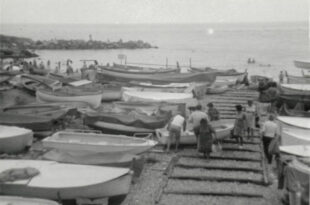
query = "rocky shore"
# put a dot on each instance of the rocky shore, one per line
(9, 42)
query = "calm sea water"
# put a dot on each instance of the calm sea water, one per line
(273, 46)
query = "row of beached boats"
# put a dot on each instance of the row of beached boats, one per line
(295, 122)
(95, 163)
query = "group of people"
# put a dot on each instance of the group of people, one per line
(246, 122)
(204, 132)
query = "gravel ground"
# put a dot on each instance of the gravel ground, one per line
(245, 146)
(209, 186)
(223, 154)
(170, 199)
(238, 175)
(219, 163)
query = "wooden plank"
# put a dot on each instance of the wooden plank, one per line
(218, 179)
(222, 158)
(219, 168)
(215, 194)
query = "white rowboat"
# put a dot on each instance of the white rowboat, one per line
(75, 142)
(16, 200)
(298, 150)
(14, 139)
(66, 181)
(70, 95)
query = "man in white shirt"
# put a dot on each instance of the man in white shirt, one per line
(269, 131)
(175, 126)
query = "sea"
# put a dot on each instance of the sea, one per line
(274, 46)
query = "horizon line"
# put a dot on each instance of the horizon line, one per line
(156, 23)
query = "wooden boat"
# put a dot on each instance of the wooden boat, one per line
(217, 89)
(131, 118)
(166, 90)
(222, 128)
(294, 136)
(77, 143)
(297, 150)
(33, 82)
(66, 80)
(38, 71)
(292, 100)
(286, 111)
(297, 79)
(108, 76)
(296, 122)
(205, 69)
(140, 70)
(16, 200)
(65, 94)
(115, 128)
(33, 122)
(295, 89)
(4, 78)
(151, 108)
(302, 64)
(152, 85)
(54, 112)
(14, 139)
(140, 96)
(66, 181)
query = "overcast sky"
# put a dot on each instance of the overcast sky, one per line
(152, 11)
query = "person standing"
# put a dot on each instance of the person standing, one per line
(175, 126)
(251, 113)
(69, 68)
(281, 77)
(206, 135)
(269, 131)
(195, 117)
(239, 126)
(213, 113)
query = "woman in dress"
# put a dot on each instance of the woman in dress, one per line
(240, 125)
(206, 134)
(251, 113)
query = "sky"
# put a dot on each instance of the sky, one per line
(151, 11)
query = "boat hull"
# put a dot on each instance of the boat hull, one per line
(302, 64)
(297, 80)
(14, 143)
(294, 136)
(67, 181)
(138, 96)
(94, 100)
(16, 200)
(108, 76)
(295, 89)
(298, 150)
(35, 123)
(87, 143)
(114, 128)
